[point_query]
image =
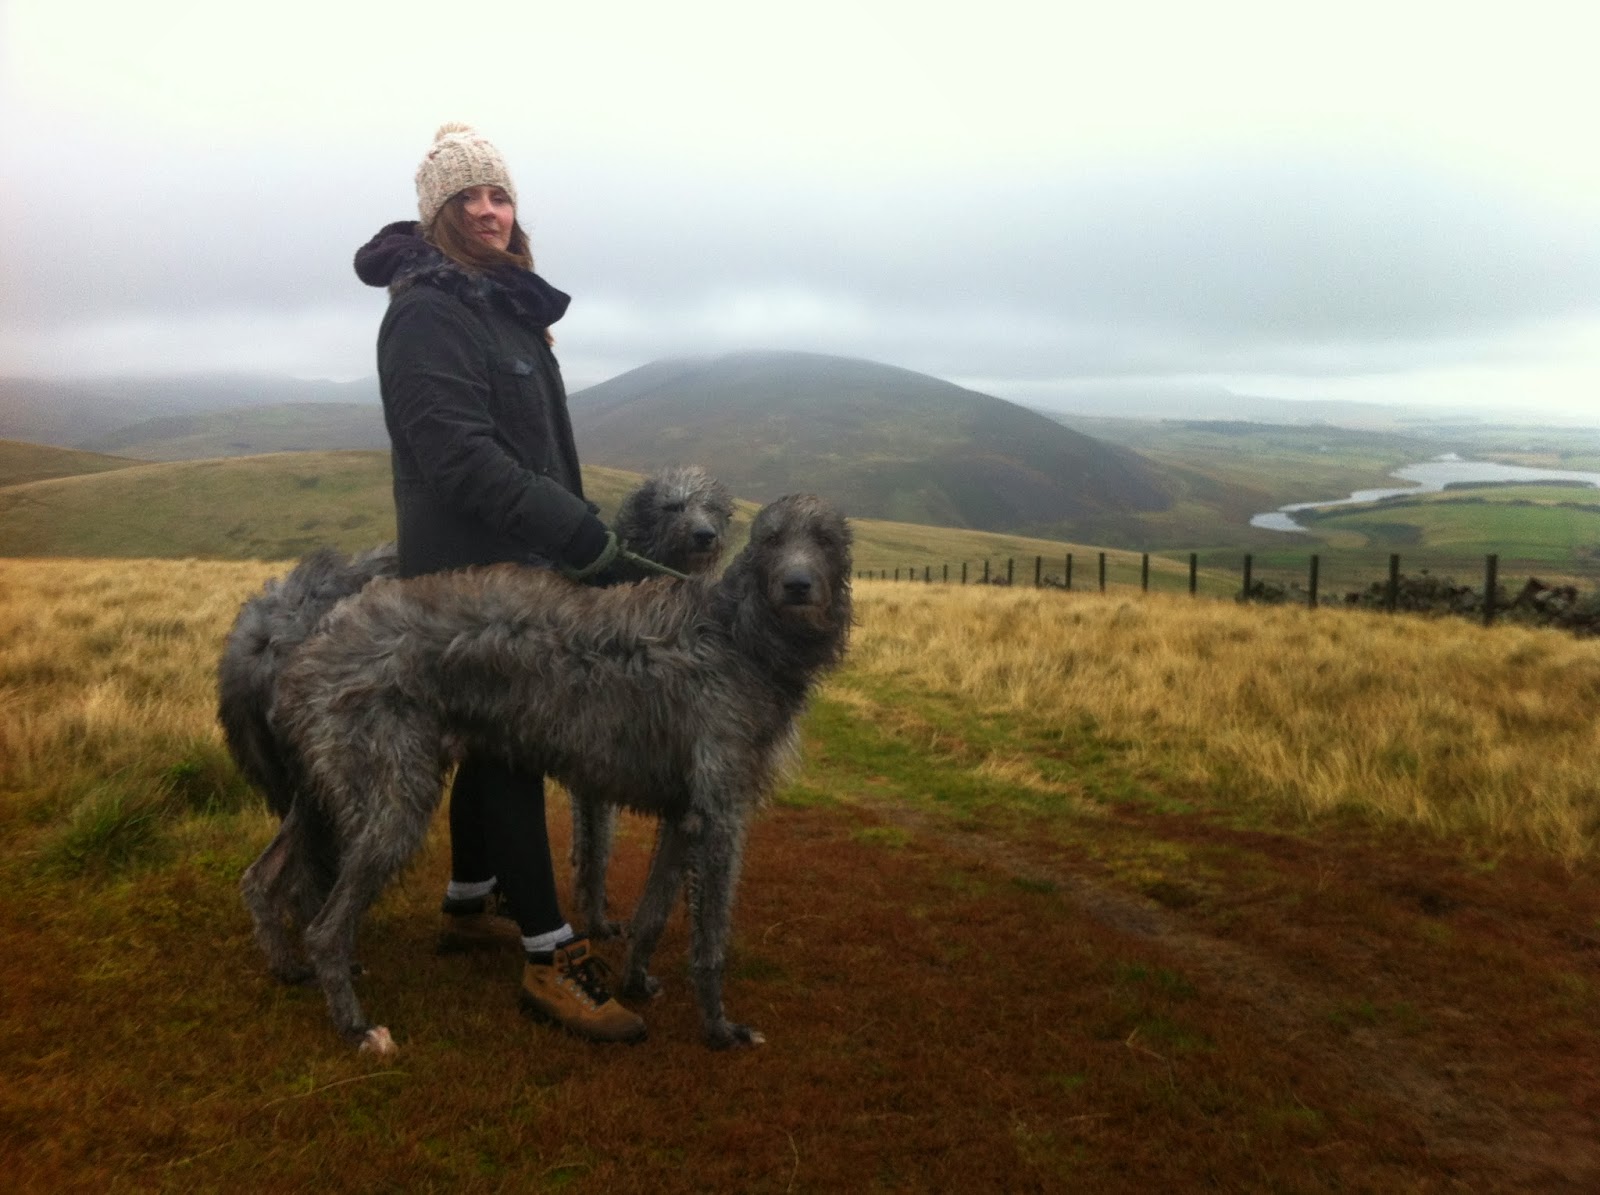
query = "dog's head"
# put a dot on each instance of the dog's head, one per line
(679, 518)
(795, 573)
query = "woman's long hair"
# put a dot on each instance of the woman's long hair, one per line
(450, 235)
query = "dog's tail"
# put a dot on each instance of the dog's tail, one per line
(246, 677)
(270, 627)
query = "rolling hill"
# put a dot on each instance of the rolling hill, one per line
(250, 431)
(271, 507)
(279, 506)
(70, 413)
(882, 442)
(21, 462)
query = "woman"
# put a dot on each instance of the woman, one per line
(486, 471)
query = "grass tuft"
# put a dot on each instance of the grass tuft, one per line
(109, 831)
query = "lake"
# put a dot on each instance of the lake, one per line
(1427, 477)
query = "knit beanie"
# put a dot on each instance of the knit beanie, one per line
(460, 157)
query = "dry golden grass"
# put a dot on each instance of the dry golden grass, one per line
(1439, 723)
(107, 697)
(106, 683)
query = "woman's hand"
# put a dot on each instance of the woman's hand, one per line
(550, 338)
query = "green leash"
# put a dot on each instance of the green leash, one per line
(649, 566)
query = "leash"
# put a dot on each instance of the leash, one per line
(649, 566)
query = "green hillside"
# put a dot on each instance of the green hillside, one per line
(251, 431)
(279, 506)
(270, 507)
(882, 442)
(1255, 467)
(72, 412)
(21, 462)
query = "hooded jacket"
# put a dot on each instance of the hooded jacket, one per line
(485, 466)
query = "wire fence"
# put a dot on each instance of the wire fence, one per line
(1247, 581)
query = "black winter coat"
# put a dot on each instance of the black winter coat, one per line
(485, 467)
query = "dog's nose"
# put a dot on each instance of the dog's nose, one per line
(797, 587)
(704, 538)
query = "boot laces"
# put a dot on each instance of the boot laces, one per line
(591, 975)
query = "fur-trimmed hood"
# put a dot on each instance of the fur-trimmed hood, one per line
(398, 257)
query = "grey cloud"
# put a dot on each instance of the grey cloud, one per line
(1303, 263)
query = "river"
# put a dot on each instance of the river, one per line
(1427, 477)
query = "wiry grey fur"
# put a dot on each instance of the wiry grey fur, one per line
(678, 517)
(270, 627)
(675, 698)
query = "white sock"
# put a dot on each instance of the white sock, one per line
(473, 891)
(545, 943)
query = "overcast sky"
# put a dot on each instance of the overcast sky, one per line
(1393, 201)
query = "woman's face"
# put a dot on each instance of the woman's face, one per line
(490, 214)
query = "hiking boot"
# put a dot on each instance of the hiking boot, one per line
(474, 925)
(567, 987)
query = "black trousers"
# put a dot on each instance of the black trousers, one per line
(497, 828)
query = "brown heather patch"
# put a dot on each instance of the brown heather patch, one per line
(990, 949)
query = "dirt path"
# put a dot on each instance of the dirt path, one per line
(1487, 1092)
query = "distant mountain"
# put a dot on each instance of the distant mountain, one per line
(69, 414)
(883, 442)
(1146, 399)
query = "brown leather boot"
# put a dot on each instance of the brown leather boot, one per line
(476, 925)
(569, 989)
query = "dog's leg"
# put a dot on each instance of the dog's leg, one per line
(593, 827)
(713, 875)
(267, 886)
(365, 868)
(655, 905)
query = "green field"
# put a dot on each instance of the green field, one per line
(1551, 526)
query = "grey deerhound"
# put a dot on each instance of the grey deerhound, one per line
(678, 517)
(677, 698)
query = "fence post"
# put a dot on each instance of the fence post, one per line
(1312, 598)
(927, 574)
(946, 572)
(1246, 591)
(1011, 569)
(1038, 571)
(1102, 572)
(1194, 573)
(1144, 572)
(897, 574)
(1491, 577)
(1069, 570)
(963, 572)
(985, 570)
(1391, 597)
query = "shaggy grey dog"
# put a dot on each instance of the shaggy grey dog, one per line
(678, 517)
(672, 697)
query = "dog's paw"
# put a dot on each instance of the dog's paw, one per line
(729, 1035)
(377, 1041)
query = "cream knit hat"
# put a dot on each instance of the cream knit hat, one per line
(460, 157)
